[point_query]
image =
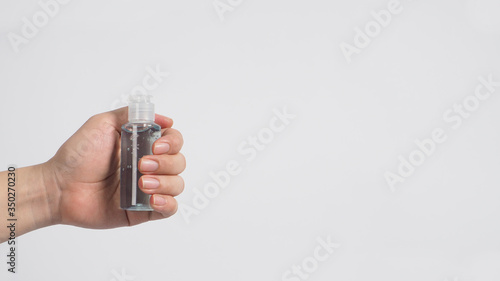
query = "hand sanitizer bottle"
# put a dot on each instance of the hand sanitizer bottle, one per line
(137, 140)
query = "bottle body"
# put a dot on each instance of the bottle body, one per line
(137, 139)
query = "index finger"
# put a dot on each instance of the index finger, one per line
(163, 121)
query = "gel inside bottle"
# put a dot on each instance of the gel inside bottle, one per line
(137, 140)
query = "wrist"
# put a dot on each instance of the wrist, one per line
(38, 197)
(52, 192)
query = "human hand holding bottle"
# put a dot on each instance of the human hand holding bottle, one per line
(80, 185)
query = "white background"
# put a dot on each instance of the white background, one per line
(323, 176)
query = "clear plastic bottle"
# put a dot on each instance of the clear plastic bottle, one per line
(137, 139)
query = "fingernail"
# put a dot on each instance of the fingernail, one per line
(161, 148)
(158, 200)
(150, 183)
(148, 165)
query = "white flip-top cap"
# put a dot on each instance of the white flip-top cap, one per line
(140, 109)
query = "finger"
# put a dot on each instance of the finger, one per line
(167, 185)
(163, 121)
(164, 205)
(171, 142)
(116, 117)
(162, 164)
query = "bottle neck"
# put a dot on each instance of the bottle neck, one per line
(139, 121)
(141, 113)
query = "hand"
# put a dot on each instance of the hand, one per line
(86, 173)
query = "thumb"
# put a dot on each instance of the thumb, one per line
(119, 116)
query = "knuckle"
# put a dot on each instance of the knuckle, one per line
(94, 118)
(170, 208)
(181, 184)
(181, 163)
(183, 159)
(177, 141)
(173, 206)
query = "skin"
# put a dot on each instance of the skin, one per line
(80, 185)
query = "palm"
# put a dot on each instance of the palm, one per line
(88, 168)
